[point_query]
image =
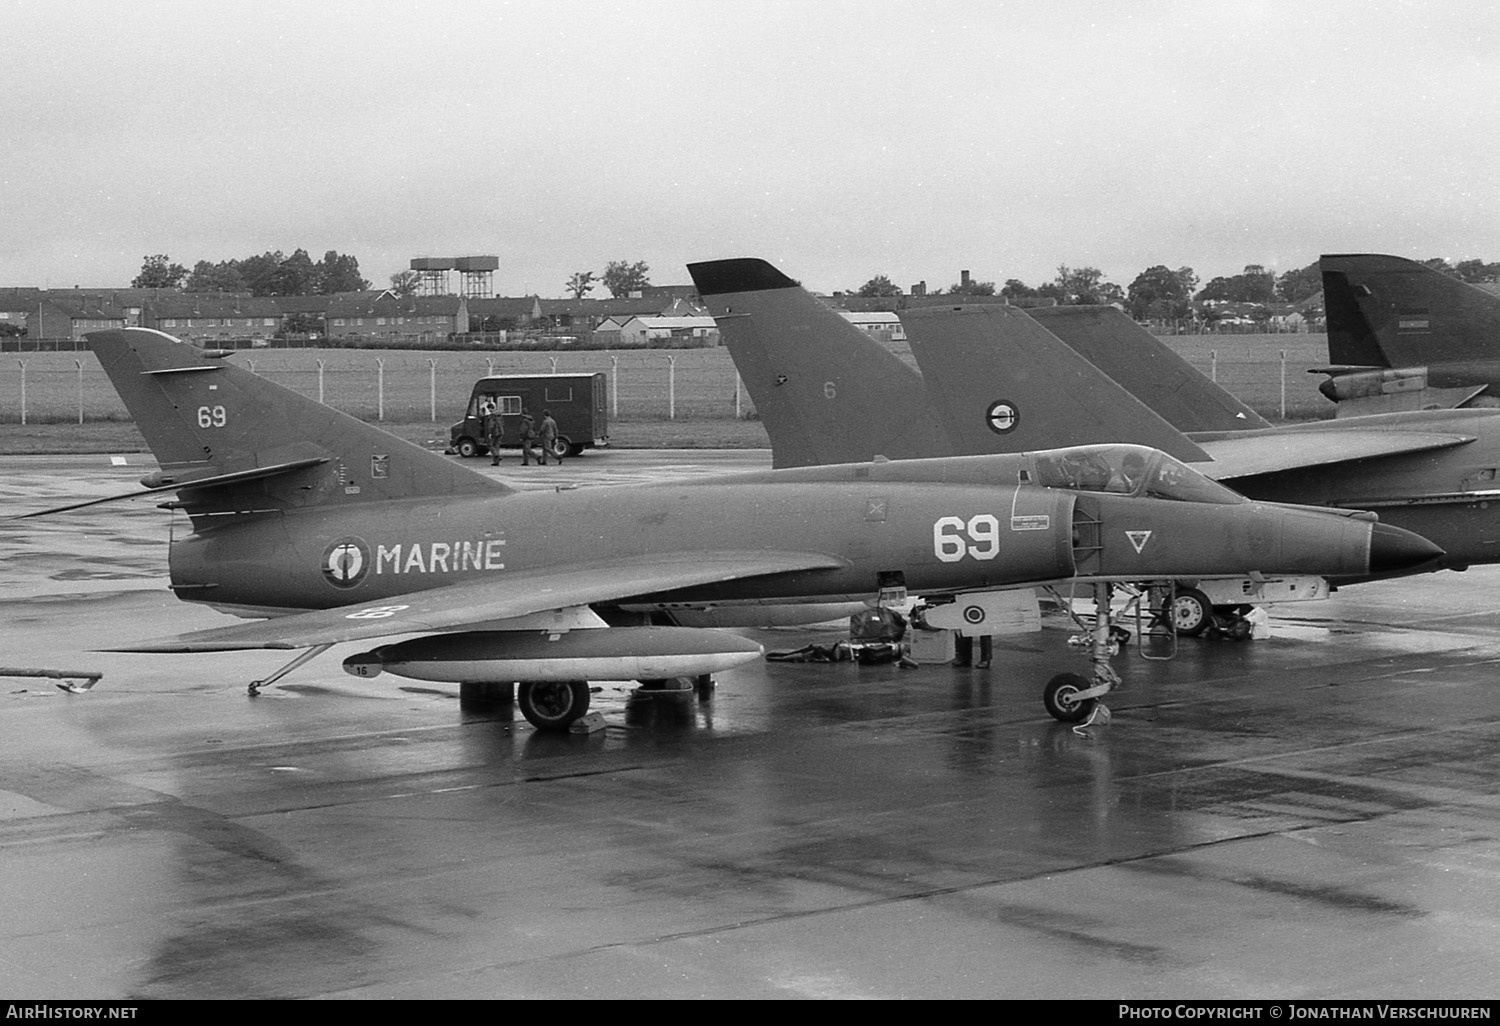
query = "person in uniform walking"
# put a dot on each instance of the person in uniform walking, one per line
(528, 439)
(547, 433)
(494, 431)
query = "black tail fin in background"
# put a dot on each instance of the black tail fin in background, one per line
(1147, 368)
(1004, 383)
(248, 442)
(1387, 311)
(1351, 338)
(826, 391)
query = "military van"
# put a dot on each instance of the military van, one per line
(579, 403)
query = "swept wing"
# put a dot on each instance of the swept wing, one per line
(517, 594)
(1246, 454)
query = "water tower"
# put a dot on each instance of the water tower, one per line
(478, 274)
(432, 275)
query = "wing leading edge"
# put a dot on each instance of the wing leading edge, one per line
(517, 594)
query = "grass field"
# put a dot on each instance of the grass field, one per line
(664, 399)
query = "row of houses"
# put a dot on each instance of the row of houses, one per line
(662, 316)
(209, 317)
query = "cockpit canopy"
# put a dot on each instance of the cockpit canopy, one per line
(1125, 470)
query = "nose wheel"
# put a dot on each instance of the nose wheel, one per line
(1073, 698)
(1060, 696)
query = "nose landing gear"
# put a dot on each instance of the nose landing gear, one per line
(1072, 698)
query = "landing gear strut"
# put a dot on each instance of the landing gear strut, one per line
(1072, 698)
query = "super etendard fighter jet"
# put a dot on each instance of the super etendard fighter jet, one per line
(1402, 336)
(995, 379)
(341, 532)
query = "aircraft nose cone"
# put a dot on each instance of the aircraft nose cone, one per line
(1393, 549)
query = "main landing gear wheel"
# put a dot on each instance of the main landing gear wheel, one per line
(1060, 698)
(553, 704)
(1192, 613)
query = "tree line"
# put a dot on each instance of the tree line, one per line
(275, 274)
(269, 274)
(1160, 293)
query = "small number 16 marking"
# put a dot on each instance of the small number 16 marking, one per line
(212, 416)
(982, 541)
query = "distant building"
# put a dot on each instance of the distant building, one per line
(883, 325)
(367, 315)
(504, 314)
(16, 305)
(654, 330)
(205, 316)
(584, 315)
(686, 293)
(74, 316)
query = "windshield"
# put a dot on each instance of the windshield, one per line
(1128, 470)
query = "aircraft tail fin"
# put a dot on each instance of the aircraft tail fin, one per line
(1351, 336)
(1004, 383)
(1147, 368)
(231, 440)
(825, 390)
(1387, 311)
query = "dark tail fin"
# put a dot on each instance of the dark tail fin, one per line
(1006, 384)
(1351, 338)
(234, 441)
(1147, 368)
(1386, 311)
(826, 391)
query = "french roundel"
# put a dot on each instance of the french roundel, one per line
(1002, 417)
(974, 614)
(345, 562)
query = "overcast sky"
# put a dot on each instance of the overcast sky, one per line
(840, 140)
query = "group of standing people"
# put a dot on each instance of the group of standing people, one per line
(537, 440)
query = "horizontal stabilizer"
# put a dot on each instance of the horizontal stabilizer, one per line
(213, 481)
(518, 593)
